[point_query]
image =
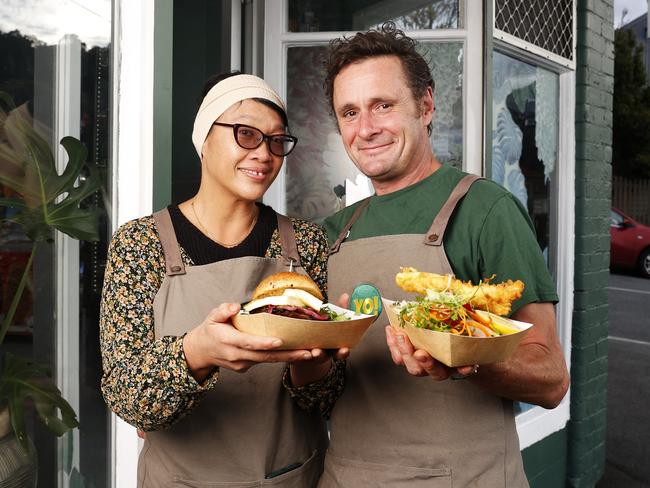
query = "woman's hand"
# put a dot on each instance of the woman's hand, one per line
(217, 343)
(419, 362)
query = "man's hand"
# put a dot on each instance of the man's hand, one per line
(535, 373)
(419, 362)
(215, 342)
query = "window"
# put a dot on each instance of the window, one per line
(525, 138)
(532, 157)
(315, 16)
(55, 61)
(318, 178)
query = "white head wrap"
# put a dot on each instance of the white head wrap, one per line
(222, 95)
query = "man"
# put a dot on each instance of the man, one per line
(391, 427)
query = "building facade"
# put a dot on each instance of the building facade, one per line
(523, 96)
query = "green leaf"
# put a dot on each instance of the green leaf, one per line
(7, 100)
(22, 380)
(49, 200)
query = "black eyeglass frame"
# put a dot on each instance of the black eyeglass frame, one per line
(265, 137)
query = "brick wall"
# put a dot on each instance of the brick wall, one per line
(594, 96)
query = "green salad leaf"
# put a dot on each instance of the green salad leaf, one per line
(334, 316)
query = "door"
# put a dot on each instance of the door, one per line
(318, 178)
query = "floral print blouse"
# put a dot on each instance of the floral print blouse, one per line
(146, 380)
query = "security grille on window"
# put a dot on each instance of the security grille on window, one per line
(547, 25)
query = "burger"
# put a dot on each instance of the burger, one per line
(291, 295)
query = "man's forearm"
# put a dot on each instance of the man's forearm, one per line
(536, 372)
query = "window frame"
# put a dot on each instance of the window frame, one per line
(278, 40)
(538, 423)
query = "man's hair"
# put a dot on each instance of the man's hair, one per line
(388, 40)
(214, 79)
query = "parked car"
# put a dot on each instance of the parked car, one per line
(630, 243)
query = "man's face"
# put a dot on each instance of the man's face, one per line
(384, 129)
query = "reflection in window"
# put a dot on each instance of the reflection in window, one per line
(321, 179)
(525, 144)
(50, 50)
(525, 137)
(353, 15)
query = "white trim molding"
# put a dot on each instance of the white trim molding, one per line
(133, 109)
(67, 122)
(132, 165)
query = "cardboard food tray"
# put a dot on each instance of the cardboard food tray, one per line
(454, 350)
(307, 334)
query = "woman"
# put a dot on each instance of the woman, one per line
(172, 362)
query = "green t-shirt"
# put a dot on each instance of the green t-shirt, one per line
(489, 232)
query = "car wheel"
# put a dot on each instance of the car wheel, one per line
(644, 263)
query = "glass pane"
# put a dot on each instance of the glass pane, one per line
(319, 172)
(54, 64)
(525, 138)
(525, 144)
(354, 15)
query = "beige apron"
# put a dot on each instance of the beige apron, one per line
(247, 426)
(391, 429)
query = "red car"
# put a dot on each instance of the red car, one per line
(630, 243)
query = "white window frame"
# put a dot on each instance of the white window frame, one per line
(67, 109)
(538, 423)
(278, 40)
(511, 40)
(132, 164)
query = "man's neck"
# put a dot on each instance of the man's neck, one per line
(422, 171)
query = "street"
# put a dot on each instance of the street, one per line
(628, 384)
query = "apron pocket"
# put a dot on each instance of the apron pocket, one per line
(341, 472)
(304, 476)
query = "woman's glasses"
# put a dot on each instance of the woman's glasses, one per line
(251, 138)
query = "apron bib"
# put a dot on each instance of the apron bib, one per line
(247, 426)
(391, 429)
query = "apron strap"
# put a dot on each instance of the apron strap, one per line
(173, 260)
(288, 241)
(434, 235)
(346, 230)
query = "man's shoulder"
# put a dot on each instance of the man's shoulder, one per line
(334, 223)
(484, 194)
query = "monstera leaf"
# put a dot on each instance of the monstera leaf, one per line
(47, 200)
(22, 380)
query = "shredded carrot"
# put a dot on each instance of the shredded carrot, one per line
(486, 330)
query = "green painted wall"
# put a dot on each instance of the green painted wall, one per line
(191, 43)
(546, 462)
(162, 103)
(594, 98)
(201, 49)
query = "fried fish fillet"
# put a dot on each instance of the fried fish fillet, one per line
(492, 298)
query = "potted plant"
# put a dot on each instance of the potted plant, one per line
(42, 202)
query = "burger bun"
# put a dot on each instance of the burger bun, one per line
(275, 285)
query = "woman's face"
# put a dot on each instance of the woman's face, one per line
(227, 168)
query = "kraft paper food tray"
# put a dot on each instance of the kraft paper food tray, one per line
(454, 350)
(307, 334)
